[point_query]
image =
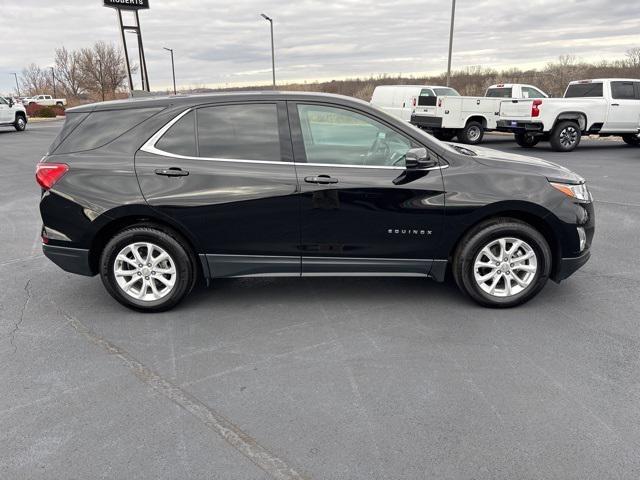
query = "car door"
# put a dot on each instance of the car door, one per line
(5, 111)
(624, 108)
(360, 211)
(225, 173)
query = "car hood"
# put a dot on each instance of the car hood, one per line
(520, 163)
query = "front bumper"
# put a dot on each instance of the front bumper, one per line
(426, 121)
(519, 126)
(72, 260)
(569, 266)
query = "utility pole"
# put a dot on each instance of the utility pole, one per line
(173, 69)
(453, 16)
(17, 86)
(53, 75)
(273, 54)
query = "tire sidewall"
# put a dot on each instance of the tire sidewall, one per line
(17, 124)
(493, 232)
(184, 268)
(555, 137)
(465, 134)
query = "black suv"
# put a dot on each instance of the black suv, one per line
(153, 194)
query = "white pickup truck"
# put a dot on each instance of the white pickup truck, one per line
(469, 117)
(12, 114)
(605, 107)
(46, 100)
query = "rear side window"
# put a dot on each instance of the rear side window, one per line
(591, 90)
(500, 93)
(102, 127)
(623, 90)
(72, 120)
(180, 139)
(529, 92)
(244, 132)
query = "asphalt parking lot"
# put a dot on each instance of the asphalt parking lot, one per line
(320, 378)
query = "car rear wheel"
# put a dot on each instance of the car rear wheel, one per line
(565, 136)
(633, 139)
(502, 263)
(20, 124)
(471, 134)
(526, 140)
(147, 269)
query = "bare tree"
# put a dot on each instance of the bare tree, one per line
(633, 57)
(69, 72)
(103, 70)
(35, 80)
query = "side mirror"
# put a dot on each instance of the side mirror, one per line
(419, 159)
(10, 100)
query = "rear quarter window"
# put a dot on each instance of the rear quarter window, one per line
(101, 127)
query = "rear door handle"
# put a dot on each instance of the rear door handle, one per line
(321, 180)
(172, 172)
(615, 104)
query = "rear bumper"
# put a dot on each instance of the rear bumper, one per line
(519, 126)
(73, 260)
(426, 121)
(568, 266)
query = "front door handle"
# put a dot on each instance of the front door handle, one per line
(321, 180)
(172, 172)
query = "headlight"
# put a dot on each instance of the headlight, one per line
(579, 192)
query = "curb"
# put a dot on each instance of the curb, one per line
(41, 120)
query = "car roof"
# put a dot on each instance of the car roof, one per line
(586, 80)
(221, 97)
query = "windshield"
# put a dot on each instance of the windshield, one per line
(446, 92)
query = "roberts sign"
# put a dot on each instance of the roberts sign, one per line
(127, 4)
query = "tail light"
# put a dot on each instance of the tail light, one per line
(439, 102)
(414, 101)
(535, 111)
(48, 174)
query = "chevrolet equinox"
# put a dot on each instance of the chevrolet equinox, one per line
(153, 194)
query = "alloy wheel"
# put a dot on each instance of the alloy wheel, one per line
(505, 267)
(145, 271)
(568, 136)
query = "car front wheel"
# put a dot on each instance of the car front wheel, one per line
(502, 263)
(20, 124)
(147, 269)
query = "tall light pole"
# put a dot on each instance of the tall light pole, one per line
(273, 52)
(173, 69)
(453, 16)
(53, 76)
(17, 86)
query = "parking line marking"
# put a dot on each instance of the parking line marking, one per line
(232, 434)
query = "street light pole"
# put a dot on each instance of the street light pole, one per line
(17, 86)
(273, 54)
(453, 16)
(53, 75)
(173, 70)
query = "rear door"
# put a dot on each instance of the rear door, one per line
(624, 107)
(359, 214)
(225, 173)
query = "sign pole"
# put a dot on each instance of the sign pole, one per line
(143, 61)
(126, 51)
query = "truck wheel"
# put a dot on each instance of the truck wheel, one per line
(565, 136)
(445, 136)
(633, 140)
(471, 134)
(20, 124)
(526, 140)
(59, 103)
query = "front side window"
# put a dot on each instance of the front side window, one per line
(338, 136)
(529, 92)
(244, 132)
(3, 101)
(623, 90)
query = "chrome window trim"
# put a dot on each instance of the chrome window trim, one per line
(150, 147)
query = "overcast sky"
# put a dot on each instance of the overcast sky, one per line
(220, 42)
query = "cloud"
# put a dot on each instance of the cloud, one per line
(226, 42)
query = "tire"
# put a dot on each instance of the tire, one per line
(59, 104)
(470, 253)
(526, 140)
(472, 133)
(149, 289)
(565, 137)
(445, 135)
(20, 124)
(632, 139)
